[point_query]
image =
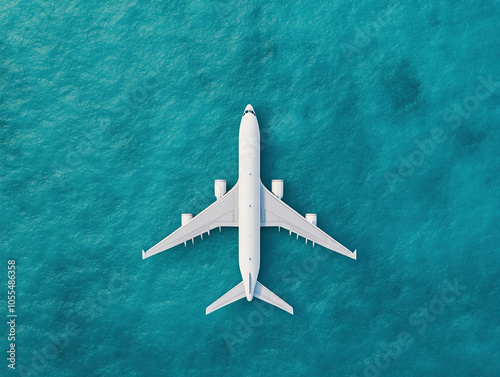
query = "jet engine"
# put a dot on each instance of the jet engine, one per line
(277, 188)
(312, 218)
(186, 217)
(220, 188)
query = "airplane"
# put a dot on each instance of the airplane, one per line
(249, 205)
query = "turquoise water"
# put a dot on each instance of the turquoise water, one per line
(381, 117)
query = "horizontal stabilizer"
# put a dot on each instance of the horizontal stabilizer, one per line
(266, 295)
(233, 295)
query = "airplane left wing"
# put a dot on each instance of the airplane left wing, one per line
(274, 212)
(224, 212)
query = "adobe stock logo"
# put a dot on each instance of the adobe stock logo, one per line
(367, 32)
(419, 320)
(256, 318)
(87, 311)
(454, 115)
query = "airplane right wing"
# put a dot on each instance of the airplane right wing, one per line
(274, 212)
(224, 212)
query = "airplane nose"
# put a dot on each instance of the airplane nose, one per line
(249, 110)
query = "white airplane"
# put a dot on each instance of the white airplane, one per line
(249, 205)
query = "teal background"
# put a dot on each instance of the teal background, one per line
(117, 117)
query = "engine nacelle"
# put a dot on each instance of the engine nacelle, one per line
(220, 188)
(185, 218)
(312, 218)
(277, 188)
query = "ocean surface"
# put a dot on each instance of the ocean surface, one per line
(380, 116)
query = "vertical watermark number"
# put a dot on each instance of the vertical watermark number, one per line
(11, 310)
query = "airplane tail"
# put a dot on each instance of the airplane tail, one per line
(233, 295)
(266, 295)
(238, 292)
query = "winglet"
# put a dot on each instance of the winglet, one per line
(354, 255)
(143, 254)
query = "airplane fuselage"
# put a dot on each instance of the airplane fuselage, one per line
(241, 207)
(249, 200)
